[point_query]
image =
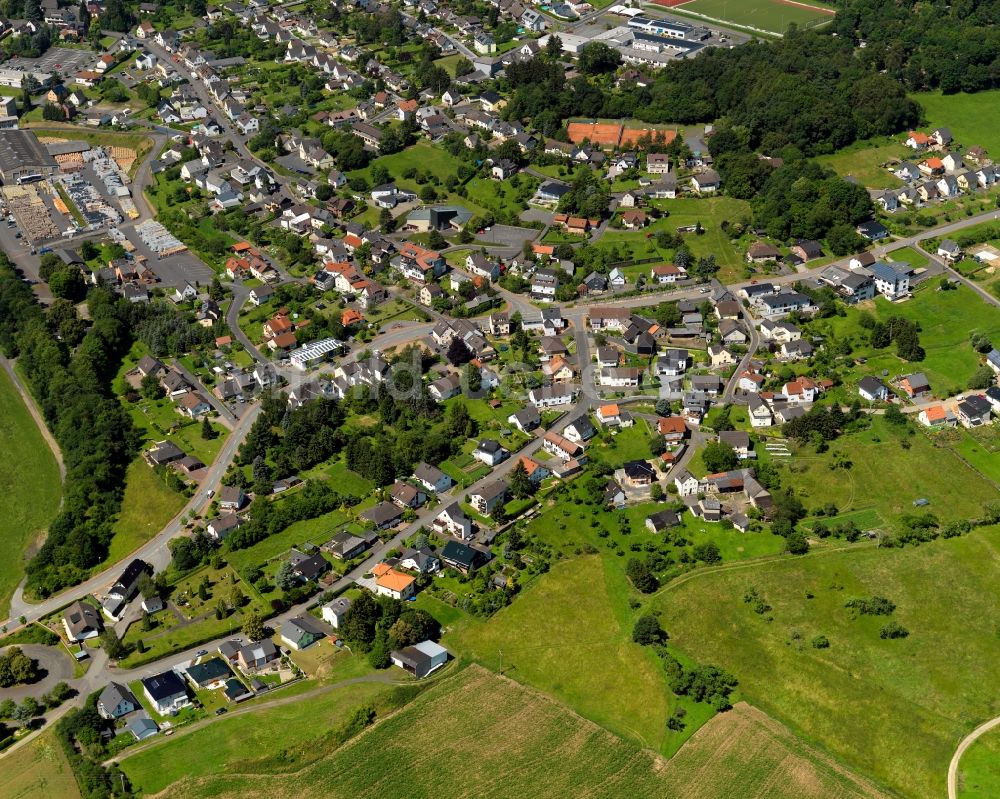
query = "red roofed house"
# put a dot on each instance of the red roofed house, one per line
(350, 317)
(667, 273)
(917, 140)
(673, 429)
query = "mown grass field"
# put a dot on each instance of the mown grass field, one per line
(974, 119)
(710, 212)
(147, 507)
(29, 479)
(250, 742)
(38, 770)
(979, 768)
(768, 15)
(891, 709)
(946, 319)
(863, 161)
(475, 734)
(886, 476)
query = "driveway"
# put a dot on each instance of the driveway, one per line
(54, 665)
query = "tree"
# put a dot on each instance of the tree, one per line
(463, 66)
(112, 644)
(719, 457)
(520, 484)
(16, 667)
(597, 58)
(253, 626)
(458, 352)
(647, 630)
(707, 552)
(982, 378)
(359, 622)
(26, 711)
(640, 576)
(796, 543)
(894, 416)
(435, 240)
(285, 578)
(473, 377)
(207, 431)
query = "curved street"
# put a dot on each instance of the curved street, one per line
(965, 743)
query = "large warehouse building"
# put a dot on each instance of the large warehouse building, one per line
(23, 156)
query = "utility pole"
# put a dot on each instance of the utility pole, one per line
(501, 661)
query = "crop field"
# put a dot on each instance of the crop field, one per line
(773, 16)
(979, 768)
(891, 709)
(946, 319)
(29, 477)
(38, 770)
(476, 734)
(249, 742)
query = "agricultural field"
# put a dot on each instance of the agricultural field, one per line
(946, 319)
(476, 733)
(569, 635)
(29, 477)
(974, 119)
(979, 768)
(891, 709)
(773, 16)
(146, 508)
(889, 469)
(252, 742)
(38, 770)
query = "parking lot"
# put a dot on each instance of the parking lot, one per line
(58, 59)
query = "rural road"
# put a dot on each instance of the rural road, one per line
(966, 742)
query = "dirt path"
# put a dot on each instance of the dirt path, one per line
(965, 743)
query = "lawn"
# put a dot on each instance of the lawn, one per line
(449, 62)
(979, 768)
(475, 734)
(146, 509)
(863, 160)
(910, 256)
(766, 15)
(502, 196)
(974, 119)
(38, 770)
(946, 319)
(422, 156)
(887, 476)
(316, 531)
(278, 738)
(710, 212)
(341, 478)
(29, 477)
(892, 709)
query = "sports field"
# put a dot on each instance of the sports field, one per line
(476, 734)
(773, 16)
(890, 709)
(29, 479)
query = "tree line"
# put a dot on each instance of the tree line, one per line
(96, 435)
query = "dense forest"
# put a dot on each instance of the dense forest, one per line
(952, 45)
(73, 389)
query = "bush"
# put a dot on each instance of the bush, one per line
(820, 642)
(893, 630)
(647, 630)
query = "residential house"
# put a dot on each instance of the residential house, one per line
(166, 692)
(431, 478)
(492, 495)
(420, 659)
(335, 610)
(464, 558)
(974, 410)
(301, 632)
(383, 516)
(872, 389)
(116, 701)
(453, 521)
(392, 583)
(81, 621)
